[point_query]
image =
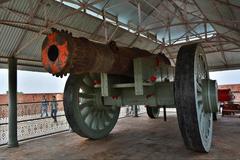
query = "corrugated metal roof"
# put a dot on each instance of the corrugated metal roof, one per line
(162, 19)
(9, 40)
(33, 50)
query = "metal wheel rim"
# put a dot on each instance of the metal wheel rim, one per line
(204, 119)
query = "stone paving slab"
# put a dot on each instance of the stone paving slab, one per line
(132, 138)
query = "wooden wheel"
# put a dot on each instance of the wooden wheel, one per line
(153, 112)
(194, 122)
(84, 110)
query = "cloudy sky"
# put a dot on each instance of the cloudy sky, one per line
(33, 82)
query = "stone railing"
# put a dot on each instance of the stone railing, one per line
(32, 125)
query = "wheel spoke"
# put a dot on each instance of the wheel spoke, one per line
(103, 119)
(85, 111)
(199, 98)
(87, 79)
(110, 114)
(107, 119)
(100, 122)
(94, 123)
(86, 104)
(93, 119)
(107, 116)
(89, 119)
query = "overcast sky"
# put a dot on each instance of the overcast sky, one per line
(35, 82)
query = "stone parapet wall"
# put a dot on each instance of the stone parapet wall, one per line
(33, 97)
(29, 104)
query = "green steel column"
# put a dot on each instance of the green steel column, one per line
(164, 113)
(12, 103)
(135, 111)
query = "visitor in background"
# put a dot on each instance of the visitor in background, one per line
(44, 106)
(54, 108)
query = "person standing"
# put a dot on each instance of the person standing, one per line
(54, 108)
(44, 106)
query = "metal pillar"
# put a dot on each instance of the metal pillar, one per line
(164, 113)
(12, 103)
(135, 111)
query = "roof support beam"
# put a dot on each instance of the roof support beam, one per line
(220, 68)
(112, 35)
(139, 13)
(150, 14)
(189, 27)
(191, 42)
(159, 17)
(214, 51)
(153, 26)
(27, 65)
(134, 40)
(224, 50)
(23, 59)
(228, 3)
(222, 53)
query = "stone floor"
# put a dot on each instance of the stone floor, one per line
(132, 138)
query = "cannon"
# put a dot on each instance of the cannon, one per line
(104, 77)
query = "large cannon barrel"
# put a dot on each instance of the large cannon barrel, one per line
(62, 53)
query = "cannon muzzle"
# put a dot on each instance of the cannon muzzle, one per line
(62, 53)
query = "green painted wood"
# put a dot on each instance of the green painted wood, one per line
(129, 85)
(138, 76)
(160, 93)
(165, 93)
(104, 84)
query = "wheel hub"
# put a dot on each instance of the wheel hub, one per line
(209, 92)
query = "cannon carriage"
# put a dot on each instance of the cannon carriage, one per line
(104, 77)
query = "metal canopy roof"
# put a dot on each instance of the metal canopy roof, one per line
(154, 25)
